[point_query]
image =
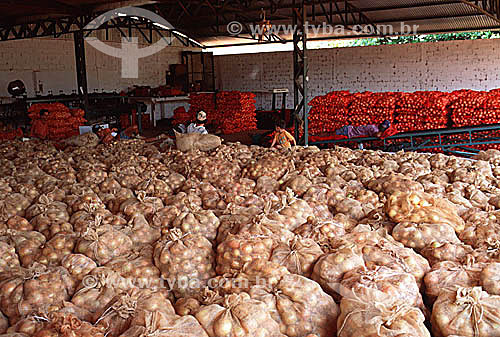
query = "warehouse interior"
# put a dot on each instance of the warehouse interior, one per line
(271, 168)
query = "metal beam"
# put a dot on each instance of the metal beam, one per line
(69, 25)
(327, 38)
(380, 22)
(242, 9)
(81, 69)
(300, 70)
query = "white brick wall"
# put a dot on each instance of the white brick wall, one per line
(52, 62)
(444, 66)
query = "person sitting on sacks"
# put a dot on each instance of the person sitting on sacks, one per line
(283, 138)
(196, 127)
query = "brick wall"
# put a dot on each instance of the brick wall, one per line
(444, 66)
(51, 62)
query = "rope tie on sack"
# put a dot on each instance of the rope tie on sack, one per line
(37, 318)
(175, 234)
(382, 314)
(144, 199)
(467, 266)
(35, 271)
(383, 245)
(125, 306)
(150, 329)
(293, 255)
(380, 272)
(392, 315)
(91, 235)
(493, 248)
(99, 281)
(65, 324)
(4, 214)
(210, 297)
(470, 298)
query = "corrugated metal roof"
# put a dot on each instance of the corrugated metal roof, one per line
(197, 19)
(431, 16)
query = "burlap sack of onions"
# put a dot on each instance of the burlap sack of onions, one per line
(138, 267)
(98, 288)
(379, 284)
(141, 204)
(103, 243)
(299, 305)
(236, 250)
(56, 249)
(298, 255)
(197, 221)
(139, 230)
(420, 235)
(161, 325)
(238, 315)
(393, 183)
(186, 260)
(366, 249)
(8, 257)
(379, 319)
(131, 308)
(321, 232)
(28, 244)
(271, 165)
(256, 272)
(16, 223)
(420, 207)
(212, 170)
(37, 289)
(445, 251)
(466, 311)
(78, 265)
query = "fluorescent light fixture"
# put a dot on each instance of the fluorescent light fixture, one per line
(122, 14)
(134, 17)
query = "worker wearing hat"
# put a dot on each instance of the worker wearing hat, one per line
(199, 125)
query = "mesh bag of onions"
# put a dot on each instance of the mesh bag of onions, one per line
(379, 284)
(62, 325)
(299, 305)
(468, 311)
(238, 315)
(97, 289)
(158, 324)
(131, 308)
(186, 259)
(421, 207)
(420, 235)
(103, 243)
(298, 255)
(448, 275)
(379, 320)
(236, 250)
(37, 289)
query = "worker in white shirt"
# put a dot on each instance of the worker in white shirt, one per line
(196, 127)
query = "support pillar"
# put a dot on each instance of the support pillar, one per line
(81, 69)
(300, 70)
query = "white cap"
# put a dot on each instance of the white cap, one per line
(201, 116)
